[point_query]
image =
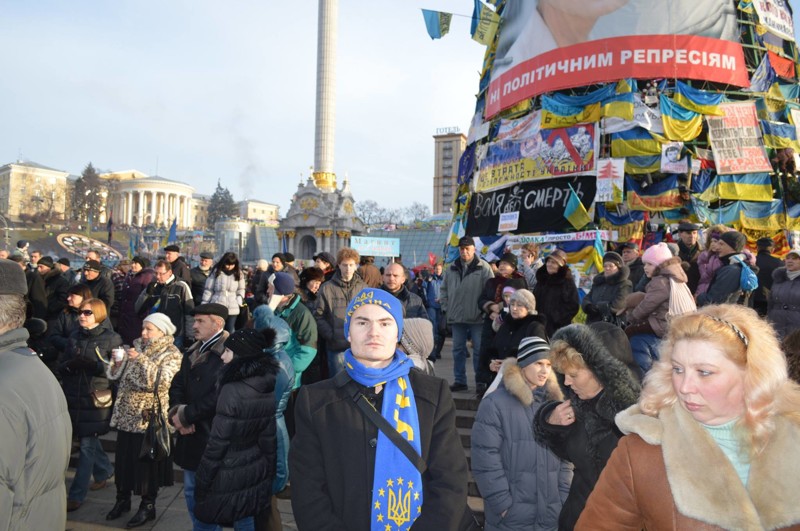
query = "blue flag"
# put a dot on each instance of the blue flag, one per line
(437, 23)
(173, 232)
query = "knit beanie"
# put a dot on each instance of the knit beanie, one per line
(736, 240)
(417, 336)
(532, 349)
(162, 322)
(247, 343)
(613, 257)
(657, 254)
(526, 298)
(382, 298)
(284, 283)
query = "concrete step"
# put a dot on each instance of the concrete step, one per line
(465, 418)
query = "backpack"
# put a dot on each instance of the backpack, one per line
(748, 280)
(681, 300)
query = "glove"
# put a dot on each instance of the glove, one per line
(590, 308)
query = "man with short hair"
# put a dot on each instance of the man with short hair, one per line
(55, 285)
(461, 289)
(177, 263)
(345, 473)
(35, 427)
(35, 256)
(394, 281)
(170, 296)
(766, 265)
(193, 394)
(332, 300)
(630, 256)
(102, 287)
(199, 276)
(689, 250)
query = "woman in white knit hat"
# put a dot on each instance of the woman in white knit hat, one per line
(153, 356)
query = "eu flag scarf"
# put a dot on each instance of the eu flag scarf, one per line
(397, 484)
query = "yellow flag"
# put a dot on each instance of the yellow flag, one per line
(487, 23)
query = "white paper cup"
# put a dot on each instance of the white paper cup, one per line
(119, 354)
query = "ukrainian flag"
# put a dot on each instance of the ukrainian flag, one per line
(792, 215)
(596, 96)
(743, 187)
(643, 164)
(725, 215)
(763, 216)
(679, 123)
(437, 23)
(779, 135)
(619, 106)
(575, 212)
(556, 115)
(659, 196)
(699, 101)
(635, 142)
(627, 85)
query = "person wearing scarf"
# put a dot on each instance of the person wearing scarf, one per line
(346, 474)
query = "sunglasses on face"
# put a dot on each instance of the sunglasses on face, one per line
(87, 313)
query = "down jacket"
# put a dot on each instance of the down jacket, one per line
(784, 303)
(654, 306)
(668, 473)
(607, 295)
(83, 372)
(514, 472)
(588, 442)
(234, 479)
(226, 290)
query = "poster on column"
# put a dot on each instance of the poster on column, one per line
(735, 139)
(540, 205)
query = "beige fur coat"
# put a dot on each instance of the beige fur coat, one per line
(668, 473)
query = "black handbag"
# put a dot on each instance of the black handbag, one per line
(156, 444)
(243, 317)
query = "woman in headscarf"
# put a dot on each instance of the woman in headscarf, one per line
(226, 285)
(236, 472)
(153, 359)
(581, 429)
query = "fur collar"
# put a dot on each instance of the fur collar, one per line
(620, 276)
(563, 274)
(518, 387)
(703, 482)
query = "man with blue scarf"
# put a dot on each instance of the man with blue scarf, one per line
(346, 473)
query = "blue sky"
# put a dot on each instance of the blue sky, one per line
(199, 90)
(202, 90)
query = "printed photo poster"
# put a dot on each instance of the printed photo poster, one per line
(610, 180)
(671, 161)
(538, 154)
(776, 16)
(736, 141)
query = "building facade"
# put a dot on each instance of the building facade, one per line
(449, 144)
(137, 199)
(259, 212)
(31, 191)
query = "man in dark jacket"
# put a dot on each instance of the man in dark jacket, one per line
(193, 393)
(102, 287)
(394, 278)
(725, 284)
(37, 295)
(177, 263)
(689, 250)
(172, 297)
(55, 286)
(347, 476)
(199, 276)
(630, 255)
(766, 265)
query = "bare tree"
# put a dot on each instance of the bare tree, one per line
(417, 212)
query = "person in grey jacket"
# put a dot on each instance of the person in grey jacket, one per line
(226, 285)
(35, 427)
(522, 482)
(462, 287)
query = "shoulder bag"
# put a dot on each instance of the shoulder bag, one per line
(156, 444)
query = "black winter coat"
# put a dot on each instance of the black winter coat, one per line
(512, 331)
(130, 323)
(607, 295)
(102, 288)
(196, 389)
(56, 287)
(82, 372)
(234, 479)
(556, 297)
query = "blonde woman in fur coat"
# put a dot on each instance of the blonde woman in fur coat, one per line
(712, 443)
(523, 483)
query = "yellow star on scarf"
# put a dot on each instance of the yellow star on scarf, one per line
(416, 496)
(377, 505)
(389, 483)
(388, 527)
(381, 492)
(399, 481)
(419, 509)
(410, 484)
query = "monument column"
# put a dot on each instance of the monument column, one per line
(344, 238)
(290, 244)
(140, 195)
(324, 130)
(320, 236)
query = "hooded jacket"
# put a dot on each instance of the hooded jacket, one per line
(223, 288)
(235, 475)
(515, 473)
(556, 297)
(668, 473)
(589, 441)
(607, 295)
(654, 306)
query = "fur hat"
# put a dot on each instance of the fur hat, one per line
(614, 258)
(559, 256)
(249, 343)
(531, 350)
(736, 240)
(382, 298)
(12, 278)
(657, 254)
(526, 298)
(509, 258)
(162, 322)
(417, 336)
(312, 273)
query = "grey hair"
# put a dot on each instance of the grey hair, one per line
(12, 311)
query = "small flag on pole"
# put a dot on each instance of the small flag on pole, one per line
(173, 232)
(110, 224)
(437, 23)
(575, 212)
(484, 24)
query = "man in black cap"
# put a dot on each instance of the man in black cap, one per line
(725, 284)
(689, 250)
(199, 276)
(64, 267)
(55, 286)
(766, 265)
(326, 262)
(35, 427)
(461, 289)
(193, 393)
(102, 287)
(179, 267)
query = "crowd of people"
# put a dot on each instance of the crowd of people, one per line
(661, 398)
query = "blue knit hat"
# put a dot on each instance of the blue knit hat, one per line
(382, 298)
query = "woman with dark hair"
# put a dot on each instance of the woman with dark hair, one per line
(226, 285)
(61, 328)
(555, 292)
(152, 357)
(136, 281)
(235, 475)
(311, 278)
(82, 367)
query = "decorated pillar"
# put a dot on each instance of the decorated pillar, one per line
(140, 210)
(328, 241)
(344, 238)
(320, 236)
(290, 244)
